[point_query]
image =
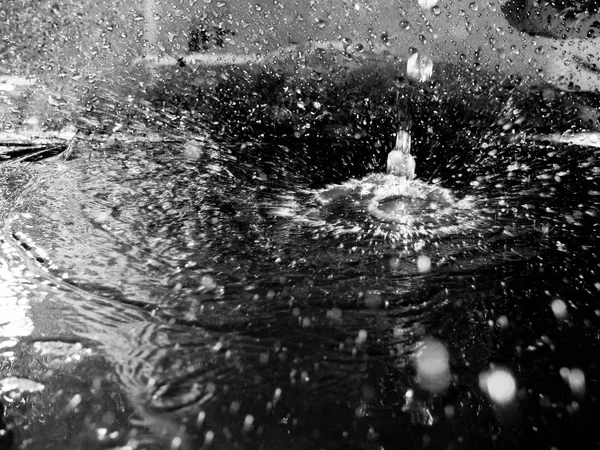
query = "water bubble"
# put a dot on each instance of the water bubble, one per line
(433, 366)
(474, 6)
(559, 308)
(423, 264)
(499, 384)
(436, 10)
(492, 6)
(405, 24)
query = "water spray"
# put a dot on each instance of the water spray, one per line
(400, 162)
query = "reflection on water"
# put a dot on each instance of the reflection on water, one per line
(238, 310)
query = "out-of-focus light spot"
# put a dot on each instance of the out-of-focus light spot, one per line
(373, 299)
(419, 67)
(502, 321)
(277, 395)
(368, 393)
(248, 422)
(499, 384)
(334, 314)
(208, 282)
(575, 378)
(234, 407)
(427, 4)
(176, 443)
(433, 366)
(208, 438)
(362, 337)
(424, 264)
(559, 308)
(200, 419)
(74, 403)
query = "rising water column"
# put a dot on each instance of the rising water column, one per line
(400, 162)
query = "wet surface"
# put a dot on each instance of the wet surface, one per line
(173, 296)
(209, 255)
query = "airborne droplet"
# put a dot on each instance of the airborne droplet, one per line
(419, 67)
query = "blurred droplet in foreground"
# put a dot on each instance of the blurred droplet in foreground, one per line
(433, 366)
(575, 378)
(424, 264)
(419, 68)
(499, 384)
(427, 4)
(559, 308)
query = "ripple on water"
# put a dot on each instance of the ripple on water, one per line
(386, 205)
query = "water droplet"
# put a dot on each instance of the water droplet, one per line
(427, 4)
(474, 6)
(208, 282)
(74, 402)
(257, 7)
(502, 321)
(373, 300)
(419, 67)
(208, 438)
(248, 422)
(559, 308)
(436, 10)
(424, 264)
(433, 366)
(575, 378)
(492, 6)
(499, 384)
(362, 337)
(405, 24)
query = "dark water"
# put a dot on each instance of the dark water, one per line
(200, 293)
